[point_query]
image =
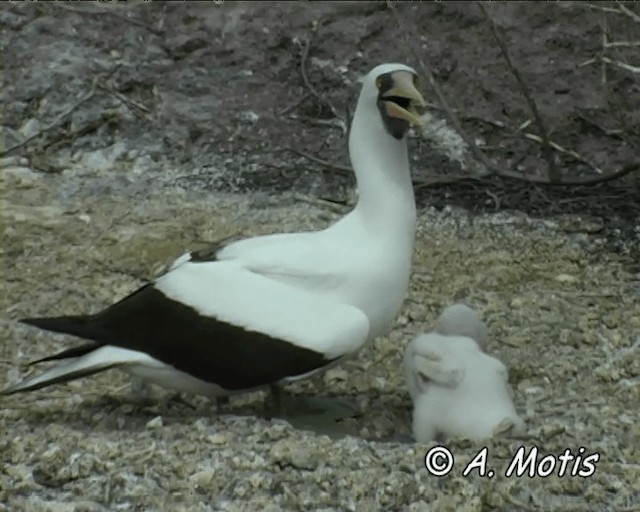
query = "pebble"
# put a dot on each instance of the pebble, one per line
(155, 422)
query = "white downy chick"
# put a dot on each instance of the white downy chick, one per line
(457, 389)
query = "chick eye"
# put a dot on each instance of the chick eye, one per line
(415, 80)
(378, 82)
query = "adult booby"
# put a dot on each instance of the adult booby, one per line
(458, 390)
(275, 308)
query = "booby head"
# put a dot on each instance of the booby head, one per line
(393, 87)
(461, 320)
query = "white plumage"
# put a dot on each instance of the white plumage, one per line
(279, 307)
(458, 391)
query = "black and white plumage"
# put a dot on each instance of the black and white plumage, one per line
(274, 308)
(458, 390)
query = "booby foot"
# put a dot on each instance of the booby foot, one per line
(322, 414)
(276, 405)
(222, 403)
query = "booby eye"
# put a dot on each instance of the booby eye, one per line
(378, 82)
(415, 80)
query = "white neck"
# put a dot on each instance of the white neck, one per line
(381, 165)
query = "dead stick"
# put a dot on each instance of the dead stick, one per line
(554, 174)
(336, 167)
(629, 13)
(426, 70)
(54, 123)
(63, 115)
(538, 180)
(305, 78)
(288, 109)
(123, 99)
(560, 149)
(492, 168)
(622, 44)
(113, 11)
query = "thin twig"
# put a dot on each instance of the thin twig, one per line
(494, 198)
(621, 65)
(61, 117)
(605, 40)
(127, 101)
(592, 180)
(592, 60)
(55, 123)
(607, 60)
(600, 8)
(113, 11)
(629, 12)
(538, 180)
(320, 161)
(443, 180)
(560, 149)
(490, 167)
(607, 131)
(554, 174)
(426, 70)
(333, 122)
(536, 138)
(322, 203)
(305, 78)
(288, 109)
(622, 44)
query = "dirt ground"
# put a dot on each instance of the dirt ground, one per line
(132, 133)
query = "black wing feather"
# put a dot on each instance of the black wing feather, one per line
(176, 334)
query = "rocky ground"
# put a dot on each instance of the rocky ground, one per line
(132, 134)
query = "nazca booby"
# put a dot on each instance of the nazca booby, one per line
(271, 309)
(458, 391)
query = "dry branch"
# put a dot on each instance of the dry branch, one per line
(625, 10)
(621, 65)
(62, 117)
(343, 169)
(560, 149)
(490, 167)
(334, 206)
(288, 109)
(138, 107)
(620, 10)
(426, 70)
(621, 44)
(55, 123)
(607, 60)
(93, 9)
(305, 78)
(554, 174)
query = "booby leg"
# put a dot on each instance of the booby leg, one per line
(222, 403)
(276, 406)
(140, 389)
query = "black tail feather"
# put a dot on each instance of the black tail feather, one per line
(75, 325)
(64, 377)
(69, 353)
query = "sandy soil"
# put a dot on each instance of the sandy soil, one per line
(178, 141)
